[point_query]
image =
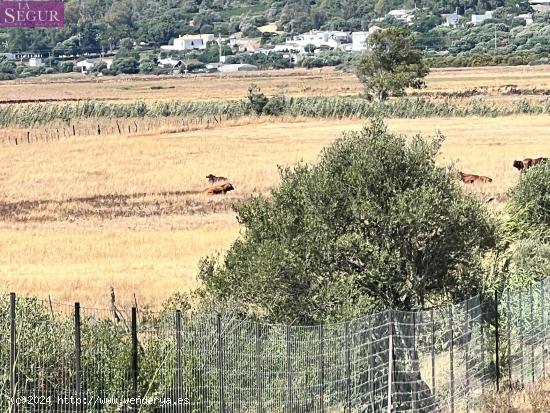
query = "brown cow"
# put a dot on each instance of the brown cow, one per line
(213, 178)
(527, 163)
(219, 189)
(470, 178)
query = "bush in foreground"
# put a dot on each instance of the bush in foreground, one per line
(374, 224)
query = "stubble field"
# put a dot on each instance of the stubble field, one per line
(81, 215)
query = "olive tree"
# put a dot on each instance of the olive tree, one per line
(390, 65)
(375, 223)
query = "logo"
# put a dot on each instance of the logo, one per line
(31, 14)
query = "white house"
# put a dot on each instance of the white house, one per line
(169, 61)
(236, 68)
(332, 39)
(451, 19)
(403, 15)
(190, 42)
(477, 19)
(35, 62)
(85, 65)
(359, 41)
(540, 5)
(528, 17)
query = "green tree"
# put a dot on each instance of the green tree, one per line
(257, 99)
(391, 65)
(374, 224)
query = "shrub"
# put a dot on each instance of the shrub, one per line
(374, 224)
(256, 99)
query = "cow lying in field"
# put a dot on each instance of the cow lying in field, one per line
(470, 178)
(213, 178)
(527, 163)
(219, 189)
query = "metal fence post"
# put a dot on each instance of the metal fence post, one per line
(135, 372)
(521, 338)
(509, 334)
(390, 360)
(416, 368)
(467, 355)
(542, 323)
(497, 342)
(220, 364)
(179, 363)
(78, 357)
(13, 354)
(288, 370)
(482, 348)
(321, 368)
(531, 336)
(373, 385)
(348, 370)
(433, 350)
(258, 368)
(451, 357)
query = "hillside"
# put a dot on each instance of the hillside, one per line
(96, 25)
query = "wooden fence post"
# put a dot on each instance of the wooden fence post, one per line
(78, 357)
(13, 353)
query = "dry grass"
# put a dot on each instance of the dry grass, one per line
(294, 82)
(83, 214)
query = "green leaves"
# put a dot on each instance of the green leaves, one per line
(374, 224)
(391, 65)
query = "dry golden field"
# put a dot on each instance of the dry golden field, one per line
(293, 82)
(80, 215)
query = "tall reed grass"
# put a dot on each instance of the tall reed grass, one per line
(318, 107)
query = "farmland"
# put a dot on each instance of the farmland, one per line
(83, 213)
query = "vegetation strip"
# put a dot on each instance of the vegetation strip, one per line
(316, 107)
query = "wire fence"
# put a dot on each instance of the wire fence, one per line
(63, 358)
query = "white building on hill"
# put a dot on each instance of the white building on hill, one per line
(190, 42)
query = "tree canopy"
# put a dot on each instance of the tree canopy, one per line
(390, 65)
(374, 224)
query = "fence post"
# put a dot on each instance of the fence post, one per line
(415, 368)
(288, 370)
(482, 345)
(433, 350)
(497, 342)
(531, 338)
(542, 309)
(134, 358)
(258, 369)
(521, 336)
(13, 354)
(348, 370)
(451, 356)
(321, 368)
(468, 336)
(179, 371)
(78, 350)
(509, 334)
(220, 363)
(372, 381)
(390, 360)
